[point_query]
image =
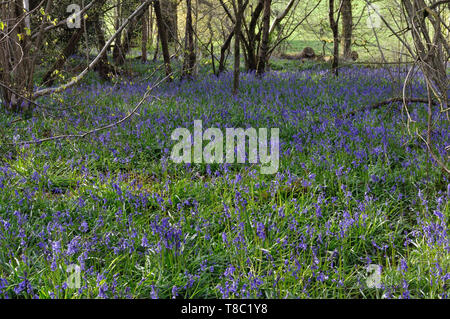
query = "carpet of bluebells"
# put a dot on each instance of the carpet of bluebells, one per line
(351, 192)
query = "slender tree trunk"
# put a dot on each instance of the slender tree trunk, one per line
(223, 50)
(211, 46)
(144, 36)
(237, 40)
(335, 29)
(189, 51)
(127, 39)
(155, 55)
(150, 37)
(170, 18)
(117, 51)
(195, 28)
(103, 67)
(213, 58)
(264, 48)
(252, 37)
(163, 38)
(26, 6)
(347, 28)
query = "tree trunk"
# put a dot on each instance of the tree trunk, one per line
(223, 51)
(163, 38)
(144, 36)
(126, 41)
(117, 51)
(335, 28)
(262, 58)
(26, 6)
(170, 18)
(103, 67)
(150, 27)
(237, 40)
(252, 38)
(189, 51)
(347, 28)
(16, 61)
(155, 55)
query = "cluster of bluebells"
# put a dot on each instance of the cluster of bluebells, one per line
(350, 192)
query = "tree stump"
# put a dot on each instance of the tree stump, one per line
(307, 53)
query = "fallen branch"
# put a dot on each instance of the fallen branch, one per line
(387, 102)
